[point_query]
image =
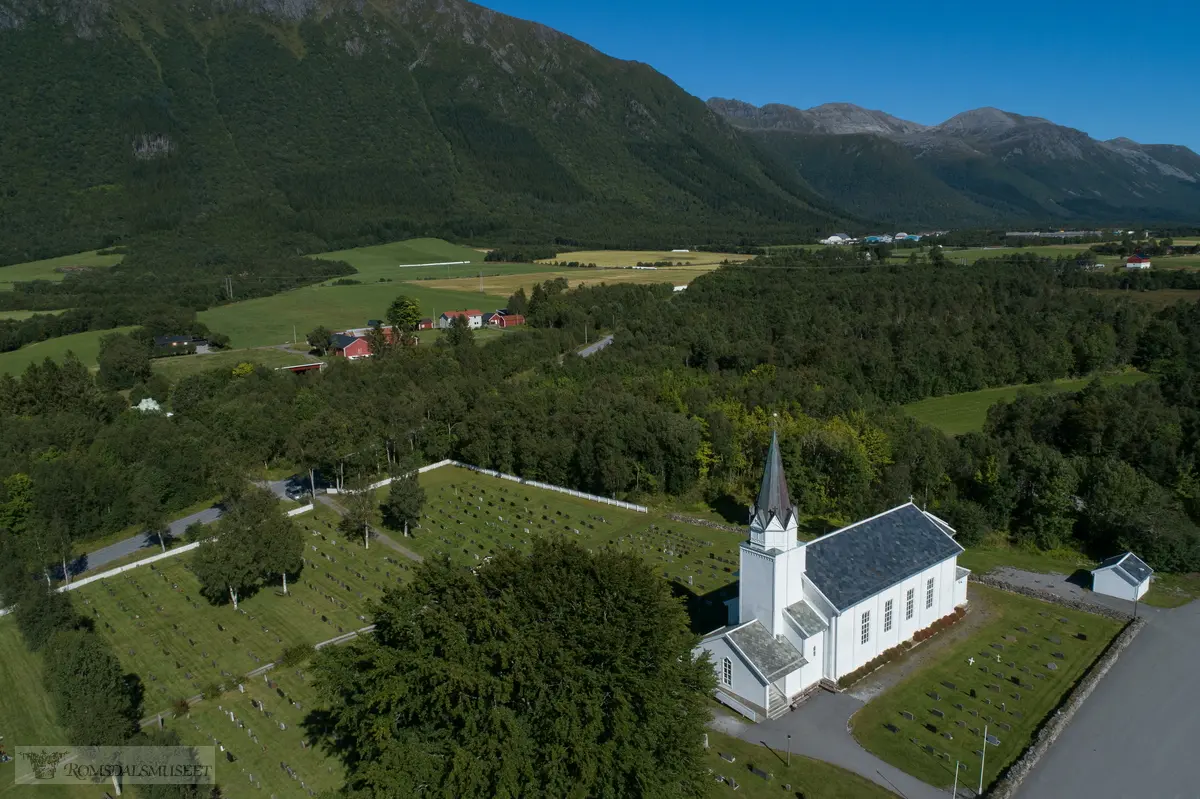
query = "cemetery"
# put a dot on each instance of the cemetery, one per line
(1009, 675)
(737, 769)
(470, 517)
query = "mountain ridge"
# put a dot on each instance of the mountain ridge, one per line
(1003, 166)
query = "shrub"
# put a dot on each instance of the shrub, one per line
(295, 655)
(213, 690)
(180, 707)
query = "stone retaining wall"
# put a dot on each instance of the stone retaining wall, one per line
(1008, 784)
(679, 517)
(1050, 596)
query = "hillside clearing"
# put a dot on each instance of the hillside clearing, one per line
(1156, 299)
(49, 268)
(86, 347)
(634, 257)
(505, 285)
(955, 414)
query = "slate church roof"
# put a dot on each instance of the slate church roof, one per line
(863, 559)
(806, 619)
(773, 498)
(1129, 567)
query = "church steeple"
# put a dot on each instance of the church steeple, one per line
(774, 501)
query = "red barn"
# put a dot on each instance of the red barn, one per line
(351, 347)
(508, 320)
(425, 324)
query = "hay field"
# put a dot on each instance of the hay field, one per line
(505, 285)
(86, 347)
(634, 257)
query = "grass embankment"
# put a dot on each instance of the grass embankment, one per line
(1012, 695)
(955, 414)
(812, 779)
(54, 269)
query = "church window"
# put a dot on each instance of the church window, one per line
(726, 671)
(929, 593)
(866, 626)
(887, 616)
(908, 604)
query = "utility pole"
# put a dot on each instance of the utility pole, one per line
(789, 760)
(480, 282)
(293, 334)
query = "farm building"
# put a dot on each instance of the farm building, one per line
(813, 612)
(426, 324)
(506, 320)
(474, 318)
(1123, 576)
(349, 346)
(1137, 262)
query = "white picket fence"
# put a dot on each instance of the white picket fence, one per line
(298, 511)
(536, 484)
(387, 481)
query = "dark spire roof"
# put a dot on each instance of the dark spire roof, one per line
(773, 497)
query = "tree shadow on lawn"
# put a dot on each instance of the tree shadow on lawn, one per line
(706, 612)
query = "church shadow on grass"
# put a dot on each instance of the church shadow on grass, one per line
(706, 612)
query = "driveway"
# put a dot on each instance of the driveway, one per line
(1136, 734)
(592, 349)
(819, 730)
(176, 529)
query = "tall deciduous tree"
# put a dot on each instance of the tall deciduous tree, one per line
(318, 338)
(97, 703)
(558, 673)
(124, 361)
(459, 334)
(254, 542)
(404, 315)
(405, 500)
(360, 505)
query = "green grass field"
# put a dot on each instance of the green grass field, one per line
(1162, 298)
(26, 715)
(47, 269)
(955, 414)
(634, 257)
(812, 779)
(184, 365)
(19, 315)
(1011, 696)
(470, 516)
(267, 321)
(86, 347)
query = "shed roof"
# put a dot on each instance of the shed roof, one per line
(341, 340)
(806, 619)
(863, 559)
(1128, 566)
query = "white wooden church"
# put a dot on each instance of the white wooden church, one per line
(808, 612)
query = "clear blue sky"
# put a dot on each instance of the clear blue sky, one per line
(1108, 68)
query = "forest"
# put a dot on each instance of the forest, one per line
(680, 406)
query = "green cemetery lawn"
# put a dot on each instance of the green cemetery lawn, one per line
(955, 414)
(812, 779)
(26, 715)
(470, 516)
(1029, 632)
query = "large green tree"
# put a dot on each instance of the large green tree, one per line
(253, 543)
(405, 500)
(559, 673)
(97, 703)
(124, 361)
(404, 315)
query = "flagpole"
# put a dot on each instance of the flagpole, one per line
(982, 759)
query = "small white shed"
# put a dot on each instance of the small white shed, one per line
(1123, 576)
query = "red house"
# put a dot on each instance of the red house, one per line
(426, 324)
(508, 320)
(350, 347)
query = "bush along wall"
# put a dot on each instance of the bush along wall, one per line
(888, 655)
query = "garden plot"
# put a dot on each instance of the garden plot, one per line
(471, 517)
(1008, 677)
(163, 630)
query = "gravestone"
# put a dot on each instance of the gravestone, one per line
(948, 736)
(906, 715)
(1004, 726)
(960, 723)
(949, 685)
(1052, 666)
(938, 713)
(935, 696)
(973, 712)
(1081, 636)
(1058, 655)
(994, 688)
(1064, 621)
(958, 706)
(1022, 629)
(1054, 639)
(998, 647)
(728, 758)
(760, 773)
(892, 728)
(992, 740)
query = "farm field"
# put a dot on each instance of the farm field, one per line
(603, 258)
(86, 347)
(266, 321)
(46, 270)
(1158, 299)
(1009, 675)
(505, 285)
(955, 414)
(181, 366)
(812, 779)
(384, 261)
(469, 516)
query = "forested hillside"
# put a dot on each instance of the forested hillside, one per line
(326, 127)
(682, 405)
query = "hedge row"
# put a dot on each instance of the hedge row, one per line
(888, 655)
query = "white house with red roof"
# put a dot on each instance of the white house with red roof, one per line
(808, 612)
(1137, 262)
(474, 318)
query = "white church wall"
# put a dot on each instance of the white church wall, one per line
(756, 587)
(851, 653)
(744, 683)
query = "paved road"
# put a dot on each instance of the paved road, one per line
(1136, 736)
(106, 555)
(592, 349)
(818, 730)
